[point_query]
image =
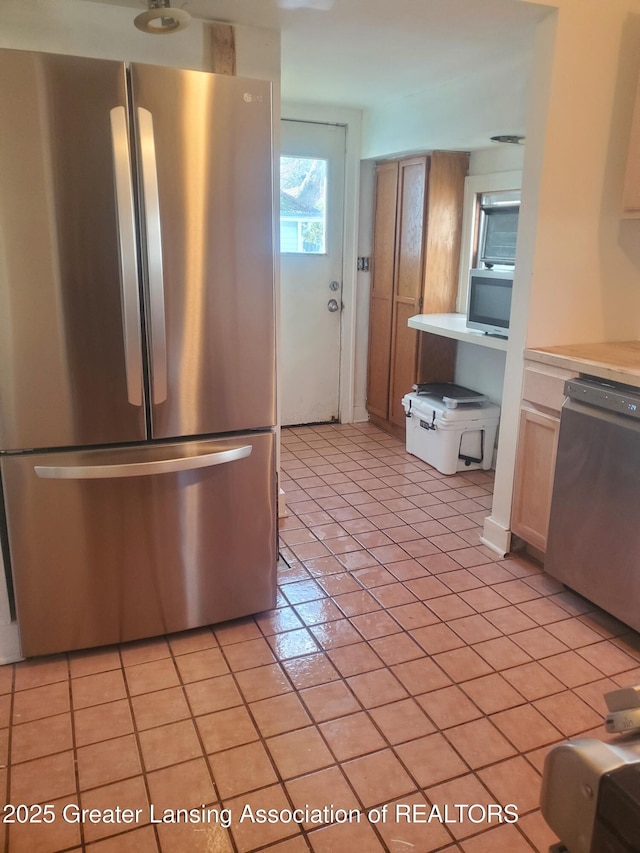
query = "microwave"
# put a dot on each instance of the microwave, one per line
(489, 301)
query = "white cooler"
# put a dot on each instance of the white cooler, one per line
(451, 439)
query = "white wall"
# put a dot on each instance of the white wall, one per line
(577, 265)
(498, 158)
(585, 262)
(108, 32)
(465, 113)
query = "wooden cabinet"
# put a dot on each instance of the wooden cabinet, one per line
(542, 397)
(631, 188)
(416, 248)
(536, 461)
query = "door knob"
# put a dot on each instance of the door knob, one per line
(332, 305)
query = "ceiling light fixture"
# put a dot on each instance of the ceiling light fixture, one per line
(510, 139)
(160, 18)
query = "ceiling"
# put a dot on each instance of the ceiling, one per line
(364, 53)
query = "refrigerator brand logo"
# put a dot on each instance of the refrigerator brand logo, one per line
(250, 99)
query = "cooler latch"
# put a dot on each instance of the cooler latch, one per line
(427, 425)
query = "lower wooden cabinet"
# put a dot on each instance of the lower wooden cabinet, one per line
(535, 465)
(542, 398)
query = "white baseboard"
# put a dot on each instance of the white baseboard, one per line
(282, 504)
(496, 536)
(360, 415)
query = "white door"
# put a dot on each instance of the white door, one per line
(311, 235)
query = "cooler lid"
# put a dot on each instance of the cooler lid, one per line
(450, 393)
(427, 406)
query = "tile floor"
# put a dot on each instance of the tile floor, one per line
(405, 664)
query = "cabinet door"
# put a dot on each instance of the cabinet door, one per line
(535, 466)
(409, 270)
(631, 187)
(381, 302)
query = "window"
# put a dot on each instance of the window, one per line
(303, 191)
(498, 228)
(490, 187)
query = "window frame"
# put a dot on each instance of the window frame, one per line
(475, 186)
(486, 211)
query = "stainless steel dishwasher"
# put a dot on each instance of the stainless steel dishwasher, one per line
(594, 529)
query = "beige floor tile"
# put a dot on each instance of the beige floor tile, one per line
(400, 652)
(492, 693)
(526, 728)
(141, 840)
(59, 835)
(157, 708)
(376, 688)
(154, 675)
(279, 714)
(225, 729)
(327, 701)
(100, 722)
(300, 752)
(448, 707)
(352, 736)
(431, 759)
(349, 836)
(169, 744)
(402, 721)
(248, 833)
(181, 786)
(242, 769)
(40, 738)
(108, 761)
(310, 670)
(43, 779)
(201, 664)
(41, 702)
(129, 794)
(479, 743)
(378, 778)
(324, 791)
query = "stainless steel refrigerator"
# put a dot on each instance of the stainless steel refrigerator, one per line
(137, 353)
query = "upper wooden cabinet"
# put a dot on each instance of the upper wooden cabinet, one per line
(631, 189)
(416, 250)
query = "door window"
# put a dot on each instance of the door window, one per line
(303, 192)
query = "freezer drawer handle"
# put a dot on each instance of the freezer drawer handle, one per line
(131, 327)
(141, 469)
(153, 233)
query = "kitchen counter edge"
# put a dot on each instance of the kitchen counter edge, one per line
(617, 361)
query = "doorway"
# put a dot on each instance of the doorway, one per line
(312, 168)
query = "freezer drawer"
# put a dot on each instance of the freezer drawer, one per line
(115, 545)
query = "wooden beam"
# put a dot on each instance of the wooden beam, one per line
(223, 49)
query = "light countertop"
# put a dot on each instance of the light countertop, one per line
(454, 326)
(618, 361)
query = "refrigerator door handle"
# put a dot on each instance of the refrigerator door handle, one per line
(141, 469)
(153, 233)
(131, 326)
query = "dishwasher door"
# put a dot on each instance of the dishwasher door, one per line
(594, 529)
(118, 544)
